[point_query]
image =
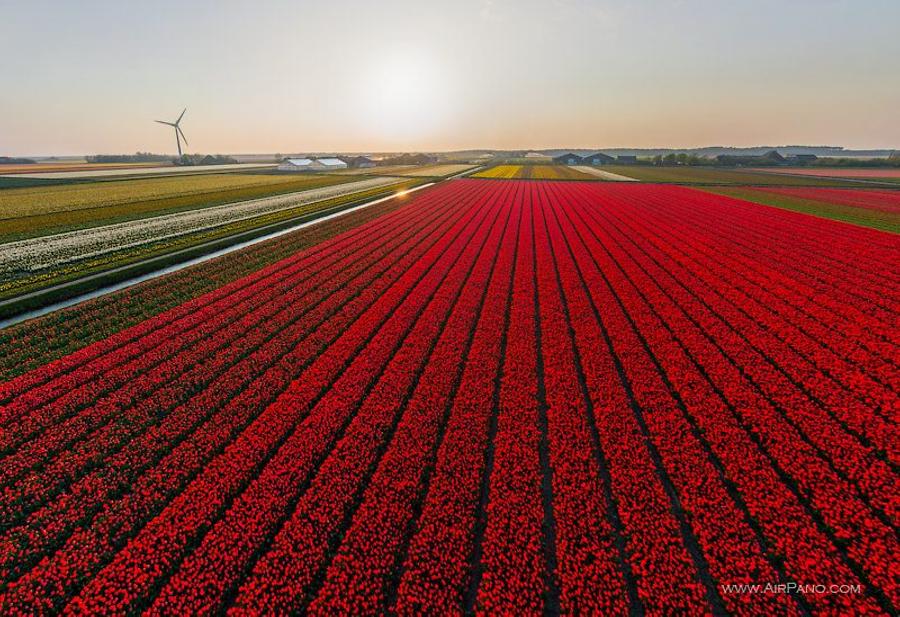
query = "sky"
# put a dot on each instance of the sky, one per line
(289, 76)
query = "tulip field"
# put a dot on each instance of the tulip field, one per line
(535, 172)
(501, 396)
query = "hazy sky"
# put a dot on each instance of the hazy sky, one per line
(89, 76)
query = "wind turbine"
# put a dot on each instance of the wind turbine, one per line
(177, 131)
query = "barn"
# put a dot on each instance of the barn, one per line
(296, 165)
(598, 158)
(329, 164)
(569, 158)
(360, 162)
(306, 164)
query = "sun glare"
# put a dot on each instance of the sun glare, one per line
(402, 96)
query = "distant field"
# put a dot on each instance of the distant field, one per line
(528, 160)
(499, 171)
(26, 212)
(437, 170)
(879, 209)
(66, 172)
(556, 172)
(603, 174)
(389, 170)
(717, 175)
(534, 172)
(50, 167)
(882, 173)
(411, 171)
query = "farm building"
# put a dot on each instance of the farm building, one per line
(568, 158)
(598, 159)
(304, 164)
(802, 159)
(626, 159)
(359, 162)
(296, 165)
(329, 164)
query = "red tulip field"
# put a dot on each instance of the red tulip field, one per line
(504, 397)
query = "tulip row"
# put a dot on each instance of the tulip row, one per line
(592, 570)
(435, 577)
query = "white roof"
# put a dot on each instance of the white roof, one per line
(299, 162)
(331, 161)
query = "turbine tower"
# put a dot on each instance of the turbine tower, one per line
(177, 131)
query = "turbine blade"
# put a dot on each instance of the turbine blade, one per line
(166, 123)
(178, 128)
(181, 116)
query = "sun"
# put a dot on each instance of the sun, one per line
(402, 95)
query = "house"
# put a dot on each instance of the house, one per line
(626, 159)
(766, 160)
(329, 164)
(359, 162)
(569, 158)
(598, 158)
(774, 157)
(296, 165)
(802, 159)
